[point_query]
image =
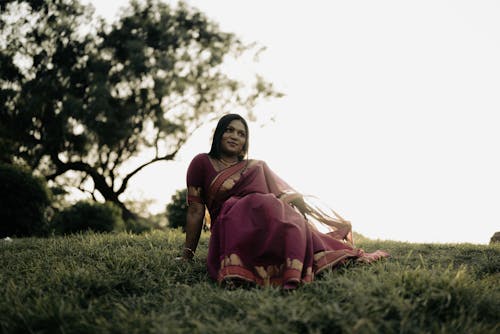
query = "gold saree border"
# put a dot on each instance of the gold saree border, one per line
(291, 270)
(221, 177)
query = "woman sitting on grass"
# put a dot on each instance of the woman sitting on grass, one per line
(262, 231)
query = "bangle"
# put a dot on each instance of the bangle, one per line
(189, 250)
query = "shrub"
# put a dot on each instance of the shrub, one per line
(24, 200)
(177, 210)
(89, 216)
(138, 225)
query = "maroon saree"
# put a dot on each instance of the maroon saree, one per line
(262, 231)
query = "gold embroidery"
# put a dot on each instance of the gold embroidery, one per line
(274, 271)
(235, 260)
(294, 264)
(262, 272)
(194, 191)
(228, 184)
(231, 260)
(194, 194)
(319, 255)
(267, 273)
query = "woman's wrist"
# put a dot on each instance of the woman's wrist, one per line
(188, 253)
(289, 196)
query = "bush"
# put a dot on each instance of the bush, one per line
(24, 200)
(138, 225)
(89, 216)
(177, 210)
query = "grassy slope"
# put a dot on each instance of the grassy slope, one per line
(132, 284)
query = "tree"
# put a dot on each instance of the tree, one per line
(24, 200)
(79, 98)
(177, 210)
(89, 216)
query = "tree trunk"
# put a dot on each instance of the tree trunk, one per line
(110, 195)
(99, 182)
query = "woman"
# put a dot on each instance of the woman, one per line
(262, 231)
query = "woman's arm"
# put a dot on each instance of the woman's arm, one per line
(194, 223)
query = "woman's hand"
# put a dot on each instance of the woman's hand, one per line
(294, 199)
(300, 204)
(288, 197)
(187, 255)
(194, 223)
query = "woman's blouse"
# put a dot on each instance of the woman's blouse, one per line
(200, 174)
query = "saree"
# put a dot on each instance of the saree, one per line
(266, 233)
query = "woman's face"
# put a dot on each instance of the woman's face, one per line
(233, 139)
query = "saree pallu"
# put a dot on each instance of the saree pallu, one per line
(258, 237)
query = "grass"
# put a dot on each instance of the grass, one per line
(121, 283)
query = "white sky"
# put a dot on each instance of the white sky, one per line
(390, 114)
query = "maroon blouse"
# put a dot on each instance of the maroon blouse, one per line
(200, 174)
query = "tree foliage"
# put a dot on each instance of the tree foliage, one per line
(79, 97)
(24, 200)
(88, 216)
(177, 209)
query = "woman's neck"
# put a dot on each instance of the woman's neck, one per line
(229, 159)
(225, 161)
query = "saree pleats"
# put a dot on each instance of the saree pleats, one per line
(259, 239)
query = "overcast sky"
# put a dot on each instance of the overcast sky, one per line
(390, 115)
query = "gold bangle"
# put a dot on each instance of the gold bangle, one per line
(189, 250)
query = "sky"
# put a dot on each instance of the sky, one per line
(390, 113)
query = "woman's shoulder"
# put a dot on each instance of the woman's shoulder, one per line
(199, 160)
(200, 157)
(256, 162)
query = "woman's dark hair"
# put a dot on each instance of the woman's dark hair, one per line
(219, 131)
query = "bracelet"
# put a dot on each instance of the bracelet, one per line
(189, 250)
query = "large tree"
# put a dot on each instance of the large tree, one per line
(80, 96)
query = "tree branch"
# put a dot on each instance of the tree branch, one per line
(82, 189)
(166, 157)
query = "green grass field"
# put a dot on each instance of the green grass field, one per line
(125, 283)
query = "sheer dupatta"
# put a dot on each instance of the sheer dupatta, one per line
(318, 215)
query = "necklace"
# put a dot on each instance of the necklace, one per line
(227, 163)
